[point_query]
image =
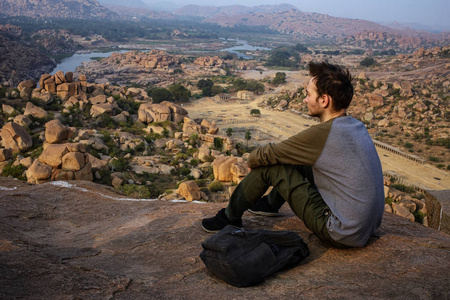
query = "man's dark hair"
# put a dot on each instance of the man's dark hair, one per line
(334, 81)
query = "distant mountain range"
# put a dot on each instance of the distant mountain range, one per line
(78, 9)
(211, 11)
(284, 18)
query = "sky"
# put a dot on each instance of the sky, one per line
(434, 13)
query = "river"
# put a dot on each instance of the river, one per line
(69, 64)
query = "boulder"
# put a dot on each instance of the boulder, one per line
(6, 154)
(15, 137)
(38, 172)
(100, 109)
(213, 129)
(204, 154)
(56, 132)
(29, 85)
(59, 77)
(96, 163)
(42, 95)
(438, 209)
(50, 85)
(43, 78)
(58, 174)
(73, 161)
(148, 113)
(189, 190)
(53, 154)
(177, 113)
(402, 211)
(239, 169)
(98, 99)
(26, 162)
(7, 109)
(222, 168)
(191, 127)
(22, 120)
(35, 111)
(375, 100)
(85, 173)
(116, 182)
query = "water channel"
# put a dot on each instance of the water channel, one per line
(72, 62)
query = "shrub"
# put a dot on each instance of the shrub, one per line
(255, 111)
(14, 171)
(280, 77)
(216, 186)
(218, 144)
(119, 165)
(434, 159)
(139, 191)
(368, 61)
(403, 188)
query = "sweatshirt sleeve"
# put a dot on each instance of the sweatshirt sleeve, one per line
(304, 148)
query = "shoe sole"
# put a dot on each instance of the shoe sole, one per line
(265, 213)
(208, 230)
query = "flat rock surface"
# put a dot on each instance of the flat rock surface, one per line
(81, 240)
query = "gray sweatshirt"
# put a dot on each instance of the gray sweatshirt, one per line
(347, 172)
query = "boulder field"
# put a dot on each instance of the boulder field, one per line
(81, 240)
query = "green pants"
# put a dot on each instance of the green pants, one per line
(291, 184)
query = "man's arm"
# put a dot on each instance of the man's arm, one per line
(303, 148)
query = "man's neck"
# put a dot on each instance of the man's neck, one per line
(328, 115)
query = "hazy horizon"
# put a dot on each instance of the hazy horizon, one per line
(433, 13)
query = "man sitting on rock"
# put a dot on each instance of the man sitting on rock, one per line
(329, 174)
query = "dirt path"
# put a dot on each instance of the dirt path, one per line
(274, 126)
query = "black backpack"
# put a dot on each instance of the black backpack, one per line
(246, 257)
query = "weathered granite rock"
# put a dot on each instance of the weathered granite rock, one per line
(38, 172)
(82, 240)
(438, 209)
(189, 190)
(99, 109)
(8, 109)
(229, 168)
(15, 137)
(35, 111)
(73, 161)
(56, 132)
(153, 113)
(42, 95)
(6, 154)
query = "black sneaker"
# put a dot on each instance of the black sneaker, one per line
(218, 222)
(263, 208)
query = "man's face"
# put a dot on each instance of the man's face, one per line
(311, 100)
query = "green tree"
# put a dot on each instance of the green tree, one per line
(255, 87)
(229, 131)
(368, 61)
(255, 111)
(280, 77)
(204, 83)
(180, 93)
(239, 84)
(248, 136)
(160, 94)
(207, 91)
(216, 89)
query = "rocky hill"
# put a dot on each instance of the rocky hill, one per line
(211, 11)
(69, 9)
(77, 239)
(19, 61)
(304, 24)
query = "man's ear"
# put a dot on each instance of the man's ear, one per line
(325, 101)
